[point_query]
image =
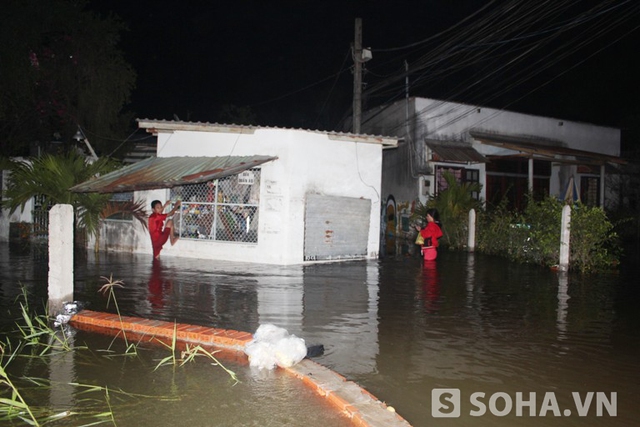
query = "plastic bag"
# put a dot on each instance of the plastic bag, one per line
(289, 351)
(273, 346)
(419, 239)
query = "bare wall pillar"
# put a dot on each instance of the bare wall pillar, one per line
(60, 257)
(565, 237)
(471, 238)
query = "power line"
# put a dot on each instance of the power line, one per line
(581, 40)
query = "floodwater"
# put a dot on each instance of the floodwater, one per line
(467, 340)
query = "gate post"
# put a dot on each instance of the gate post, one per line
(565, 237)
(60, 257)
(471, 239)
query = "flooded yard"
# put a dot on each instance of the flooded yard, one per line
(467, 340)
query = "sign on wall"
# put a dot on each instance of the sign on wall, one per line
(246, 178)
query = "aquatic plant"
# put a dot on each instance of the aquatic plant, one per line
(189, 354)
(172, 348)
(13, 406)
(108, 289)
(35, 329)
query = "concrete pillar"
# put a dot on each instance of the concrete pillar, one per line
(471, 239)
(60, 257)
(565, 235)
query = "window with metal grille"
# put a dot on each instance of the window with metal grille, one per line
(40, 213)
(223, 210)
(461, 174)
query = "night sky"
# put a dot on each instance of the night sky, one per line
(290, 61)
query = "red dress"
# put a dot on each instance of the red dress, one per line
(159, 234)
(431, 231)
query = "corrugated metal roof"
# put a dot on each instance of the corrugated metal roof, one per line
(154, 126)
(544, 149)
(167, 172)
(453, 151)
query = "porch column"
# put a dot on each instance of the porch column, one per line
(602, 186)
(530, 175)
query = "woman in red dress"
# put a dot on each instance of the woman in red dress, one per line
(159, 231)
(431, 233)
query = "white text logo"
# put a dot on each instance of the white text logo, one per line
(446, 403)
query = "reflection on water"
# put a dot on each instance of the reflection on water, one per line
(430, 286)
(401, 327)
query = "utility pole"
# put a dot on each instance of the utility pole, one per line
(357, 76)
(406, 101)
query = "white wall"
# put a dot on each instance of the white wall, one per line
(444, 120)
(451, 119)
(308, 162)
(20, 215)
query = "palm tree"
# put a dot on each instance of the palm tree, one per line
(51, 177)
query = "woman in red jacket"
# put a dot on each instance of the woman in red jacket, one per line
(430, 234)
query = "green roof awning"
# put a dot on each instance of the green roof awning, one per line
(167, 172)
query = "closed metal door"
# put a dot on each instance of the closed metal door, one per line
(336, 227)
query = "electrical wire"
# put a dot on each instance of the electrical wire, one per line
(128, 139)
(580, 41)
(524, 45)
(324, 104)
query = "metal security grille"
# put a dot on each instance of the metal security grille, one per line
(40, 212)
(223, 210)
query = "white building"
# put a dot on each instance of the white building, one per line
(507, 153)
(257, 194)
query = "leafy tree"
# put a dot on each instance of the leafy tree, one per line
(60, 68)
(52, 176)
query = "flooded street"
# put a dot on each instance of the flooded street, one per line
(513, 345)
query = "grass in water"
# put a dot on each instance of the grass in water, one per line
(189, 355)
(171, 359)
(108, 289)
(36, 331)
(14, 406)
